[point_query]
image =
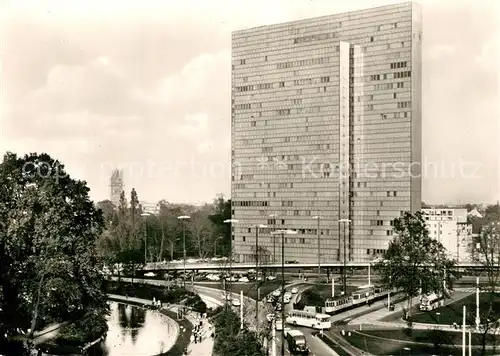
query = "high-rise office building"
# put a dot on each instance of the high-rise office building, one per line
(326, 121)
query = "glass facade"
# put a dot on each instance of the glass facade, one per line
(326, 122)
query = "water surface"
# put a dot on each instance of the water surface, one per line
(135, 331)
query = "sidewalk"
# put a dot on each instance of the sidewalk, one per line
(203, 348)
(379, 314)
(374, 317)
(48, 333)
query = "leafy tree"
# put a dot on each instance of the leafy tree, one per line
(230, 340)
(489, 256)
(122, 242)
(414, 262)
(203, 231)
(222, 212)
(489, 252)
(48, 266)
(172, 230)
(108, 210)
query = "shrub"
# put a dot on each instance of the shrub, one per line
(196, 303)
(312, 296)
(230, 340)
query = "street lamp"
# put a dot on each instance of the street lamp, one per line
(230, 221)
(319, 248)
(257, 227)
(273, 219)
(145, 238)
(215, 245)
(184, 217)
(283, 233)
(344, 275)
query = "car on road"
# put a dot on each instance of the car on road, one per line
(212, 277)
(277, 293)
(295, 290)
(288, 295)
(271, 278)
(236, 302)
(244, 280)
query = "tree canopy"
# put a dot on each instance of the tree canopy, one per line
(414, 262)
(129, 233)
(48, 266)
(230, 340)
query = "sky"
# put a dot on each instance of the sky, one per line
(145, 86)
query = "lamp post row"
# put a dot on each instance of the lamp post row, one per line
(273, 233)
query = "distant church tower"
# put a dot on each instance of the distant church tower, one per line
(116, 186)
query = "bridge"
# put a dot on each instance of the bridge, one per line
(209, 266)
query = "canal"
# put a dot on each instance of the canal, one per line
(135, 331)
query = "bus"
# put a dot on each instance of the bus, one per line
(431, 302)
(297, 344)
(309, 319)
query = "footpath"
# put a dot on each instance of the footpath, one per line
(375, 318)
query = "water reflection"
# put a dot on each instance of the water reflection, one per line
(131, 320)
(136, 332)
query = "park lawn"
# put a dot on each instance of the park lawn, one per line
(440, 342)
(249, 289)
(453, 312)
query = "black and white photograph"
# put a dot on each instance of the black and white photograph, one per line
(249, 177)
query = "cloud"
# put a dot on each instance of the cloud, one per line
(197, 81)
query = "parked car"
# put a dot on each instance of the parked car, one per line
(288, 295)
(277, 293)
(271, 278)
(295, 290)
(270, 298)
(270, 317)
(243, 280)
(236, 302)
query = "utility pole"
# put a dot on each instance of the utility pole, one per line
(273, 220)
(283, 294)
(257, 227)
(318, 218)
(182, 218)
(282, 233)
(344, 274)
